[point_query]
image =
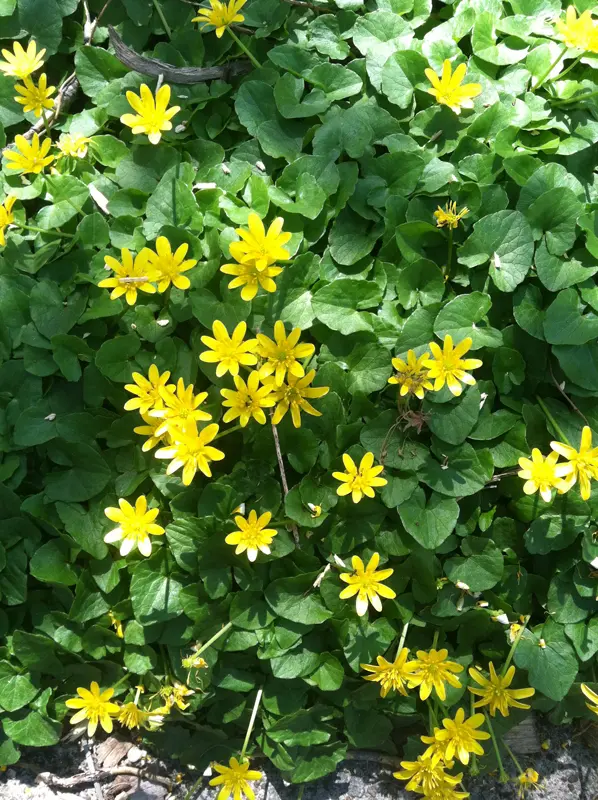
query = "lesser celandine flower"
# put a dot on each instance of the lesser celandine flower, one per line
(359, 481)
(582, 464)
(153, 115)
(495, 692)
(150, 430)
(250, 278)
(253, 535)
(412, 375)
(180, 407)
(431, 671)
(191, 450)
(116, 624)
(21, 63)
(35, 98)
(175, 695)
(294, 395)
(73, 145)
(391, 675)
(579, 32)
(541, 474)
(167, 266)
(461, 736)
(282, 353)
(94, 706)
(447, 365)
(248, 401)
(29, 156)
(258, 246)
(220, 15)
(234, 779)
(148, 391)
(229, 352)
(449, 216)
(131, 275)
(591, 696)
(6, 216)
(194, 661)
(527, 781)
(135, 526)
(447, 88)
(366, 583)
(426, 775)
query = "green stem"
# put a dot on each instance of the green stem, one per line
(249, 55)
(258, 697)
(503, 777)
(214, 638)
(229, 430)
(433, 719)
(435, 639)
(571, 66)
(41, 230)
(46, 126)
(403, 637)
(514, 646)
(549, 70)
(158, 8)
(552, 421)
(449, 257)
(473, 769)
(575, 98)
(512, 754)
(120, 681)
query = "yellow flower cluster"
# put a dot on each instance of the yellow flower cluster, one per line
(579, 33)
(162, 266)
(446, 365)
(97, 708)
(545, 474)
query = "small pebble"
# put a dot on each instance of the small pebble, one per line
(135, 754)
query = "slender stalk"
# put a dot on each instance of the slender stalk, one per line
(158, 8)
(247, 52)
(435, 639)
(473, 769)
(46, 126)
(258, 697)
(449, 257)
(227, 431)
(571, 66)
(575, 98)
(503, 777)
(216, 636)
(403, 637)
(512, 754)
(41, 230)
(520, 633)
(549, 70)
(552, 420)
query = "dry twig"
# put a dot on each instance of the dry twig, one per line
(86, 777)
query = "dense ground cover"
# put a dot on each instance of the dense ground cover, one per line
(343, 290)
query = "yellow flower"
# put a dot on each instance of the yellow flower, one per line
(35, 98)
(295, 395)
(448, 215)
(131, 716)
(175, 695)
(448, 365)
(366, 583)
(235, 778)
(431, 671)
(359, 481)
(447, 89)
(252, 534)
(542, 474)
(131, 276)
(29, 156)
(150, 429)
(135, 525)
(179, 408)
(527, 780)
(426, 775)
(21, 63)
(220, 15)
(412, 376)
(250, 277)
(591, 696)
(6, 216)
(148, 390)
(94, 706)
(167, 266)
(392, 676)
(495, 691)
(191, 450)
(229, 352)
(153, 116)
(258, 247)
(582, 464)
(578, 33)
(194, 662)
(73, 145)
(117, 625)
(248, 401)
(281, 354)
(460, 737)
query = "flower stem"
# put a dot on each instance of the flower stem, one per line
(46, 126)
(571, 66)
(449, 257)
(227, 431)
(214, 638)
(512, 754)
(258, 697)
(403, 637)
(552, 420)
(575, 98)
(249, 55)
(549, 70)
(503, 777)
(435, 639)
(520, 633)
(41, 230)
(158, 8)
(473, 769)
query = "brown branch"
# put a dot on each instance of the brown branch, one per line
(86, 777)
(170, 73)
(566, 396)
(283, 475)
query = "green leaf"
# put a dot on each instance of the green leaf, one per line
(68, 198)
(172, 202)
(552, 668)
(363, 640)
(369, 368)
(430, 521)
(460, 318)
(400, 75)
(560, 273)
(33, 730)
(87, 475)
(338, 304)
(420, 281)
(51, 312)
(296, 599)
(329, 675)
(465, 472)
(16, 690)
(155, 590)
(580, 364)
(113, 358)
(453, 421)
(50, 564)
(565, 321)
(350, 239)
(482, 565)
(555, 214)
(256, 108)
(95, 68)
(43, 22)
